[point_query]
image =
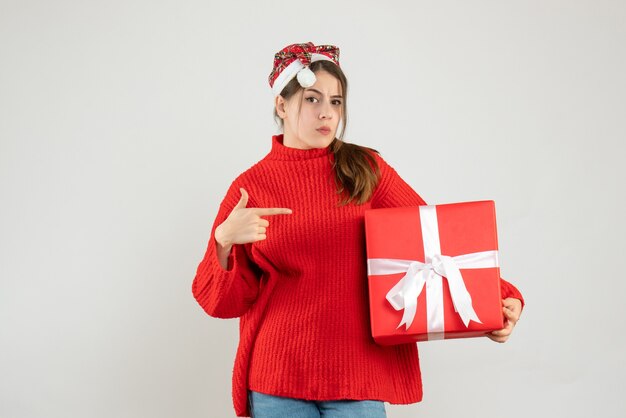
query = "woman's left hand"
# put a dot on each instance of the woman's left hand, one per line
(512, 309)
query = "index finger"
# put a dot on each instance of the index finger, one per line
(272, 211)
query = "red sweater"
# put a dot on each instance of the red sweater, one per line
(302, 294)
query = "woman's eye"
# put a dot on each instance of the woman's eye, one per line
(313, 99)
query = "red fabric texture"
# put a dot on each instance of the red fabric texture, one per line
(301, 294)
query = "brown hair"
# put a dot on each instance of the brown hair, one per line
(356, 169)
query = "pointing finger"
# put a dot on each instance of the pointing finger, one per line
(272, 211)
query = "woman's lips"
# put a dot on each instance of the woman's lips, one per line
(324, 131)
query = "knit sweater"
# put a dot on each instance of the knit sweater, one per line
(301, 293)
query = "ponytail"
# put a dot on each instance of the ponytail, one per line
(356, 171)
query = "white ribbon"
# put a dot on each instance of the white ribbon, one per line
(430, 274)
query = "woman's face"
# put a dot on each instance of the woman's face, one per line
(321, 108)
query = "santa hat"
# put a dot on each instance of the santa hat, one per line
(294, 60)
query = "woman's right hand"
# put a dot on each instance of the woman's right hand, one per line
(244, 225)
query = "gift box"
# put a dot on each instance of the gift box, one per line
(433, 272)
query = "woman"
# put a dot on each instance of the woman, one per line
(287, 256)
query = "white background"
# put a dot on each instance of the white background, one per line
(122, 123)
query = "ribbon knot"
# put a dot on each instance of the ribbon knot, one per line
(437, 263)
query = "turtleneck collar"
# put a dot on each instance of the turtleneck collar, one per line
(281, 152)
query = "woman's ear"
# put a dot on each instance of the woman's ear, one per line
(280, 103)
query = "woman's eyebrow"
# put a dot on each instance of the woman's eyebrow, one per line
(320, 93)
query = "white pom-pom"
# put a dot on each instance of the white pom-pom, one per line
(306, 77)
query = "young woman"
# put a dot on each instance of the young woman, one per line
(287, 256)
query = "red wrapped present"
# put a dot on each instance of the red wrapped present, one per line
(433, 272)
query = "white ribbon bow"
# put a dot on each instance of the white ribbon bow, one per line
(405, 293)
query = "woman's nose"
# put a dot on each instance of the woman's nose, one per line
(326, 112)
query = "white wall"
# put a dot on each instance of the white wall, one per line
(122, 123)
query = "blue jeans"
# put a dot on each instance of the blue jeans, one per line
(270, 406)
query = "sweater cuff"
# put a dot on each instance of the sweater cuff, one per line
(510, 291)
(233, 260)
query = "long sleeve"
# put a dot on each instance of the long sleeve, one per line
(393, 191)
(226, 293)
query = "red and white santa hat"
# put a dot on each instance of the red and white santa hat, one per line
(294, 60)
